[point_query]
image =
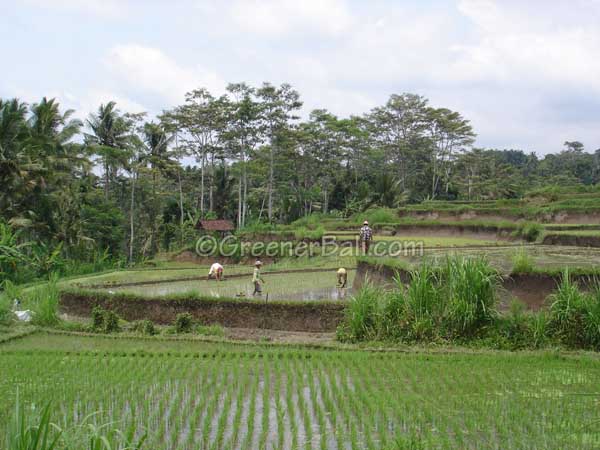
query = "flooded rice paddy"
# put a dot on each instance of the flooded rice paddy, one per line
(307, 286)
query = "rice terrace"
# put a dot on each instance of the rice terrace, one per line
(187, 263)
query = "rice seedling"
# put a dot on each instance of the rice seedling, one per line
(232, 396)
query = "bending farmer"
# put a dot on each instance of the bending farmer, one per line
(216, 272)
(342, 278)
(257, 279)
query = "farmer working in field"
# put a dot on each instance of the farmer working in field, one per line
(366, 234)
(342, 278)
(257, 279)
(216, 272)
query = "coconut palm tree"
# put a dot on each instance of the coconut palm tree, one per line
(109, 139)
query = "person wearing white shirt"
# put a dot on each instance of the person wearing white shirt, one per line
(216, 272)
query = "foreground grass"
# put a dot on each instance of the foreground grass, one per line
(210, 395)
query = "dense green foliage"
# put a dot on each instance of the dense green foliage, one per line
(79, 197)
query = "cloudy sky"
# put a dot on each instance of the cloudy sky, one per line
(527, 74)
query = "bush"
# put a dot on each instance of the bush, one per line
(183, 323)
(529, 231)
(105, 321)
(97, 318)
(145, 327)
(111, 322)
(515, 328)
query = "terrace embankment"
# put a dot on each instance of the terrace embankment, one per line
(577, 240)
(532, 289)
(489, 233)
(504, 215)
(247, 313)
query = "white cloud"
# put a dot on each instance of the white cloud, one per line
(284, 16)
(522, 44)
(526, 73)
(102, 8)
(151, 70)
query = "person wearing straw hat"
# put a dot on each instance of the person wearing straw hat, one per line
(257, 279)
(366, 234)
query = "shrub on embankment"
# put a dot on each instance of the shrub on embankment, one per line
(456, 303)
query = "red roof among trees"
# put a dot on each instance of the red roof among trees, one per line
(215, 225)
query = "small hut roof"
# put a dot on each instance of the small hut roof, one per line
(215, 225)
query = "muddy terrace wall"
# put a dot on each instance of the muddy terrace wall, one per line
(236, 313)
(500, 215)
(532, 289)
(571, 240)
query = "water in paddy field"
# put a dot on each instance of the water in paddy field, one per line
(307, 286)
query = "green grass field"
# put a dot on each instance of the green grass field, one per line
(190, 395)
(578, 232)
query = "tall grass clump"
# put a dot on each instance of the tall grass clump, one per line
(575, 315)
(566, 311)
(25, 434)
(104, 321)
(522, 262)
(361, 315)
(423, 305)
(453, 301)
(44, 300)
(183, 323)
(39, 433)
(470, 285)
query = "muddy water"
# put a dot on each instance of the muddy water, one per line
(320, 294)
(302, 287)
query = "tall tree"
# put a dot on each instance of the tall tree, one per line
(242, 135)
(448, 133)
(277, 107)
